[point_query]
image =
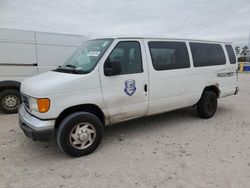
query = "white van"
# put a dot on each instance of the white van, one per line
(110, 80)
(26, 53)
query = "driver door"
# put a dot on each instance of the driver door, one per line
(126, 94)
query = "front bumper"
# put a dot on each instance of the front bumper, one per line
(36, 129)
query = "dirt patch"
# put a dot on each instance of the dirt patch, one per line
(175, 149)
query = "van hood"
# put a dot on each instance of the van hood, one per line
(55, 83)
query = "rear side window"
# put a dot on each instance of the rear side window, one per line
(207, 54)
(231, 54)
(169, 55)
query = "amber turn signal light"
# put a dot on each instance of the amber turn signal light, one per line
(43, 105)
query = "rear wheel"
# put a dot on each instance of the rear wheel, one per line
(9, 101)
(79, 134)
(207, 105)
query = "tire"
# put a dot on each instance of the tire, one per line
(207, 105)
(9, 101)
(76, 129)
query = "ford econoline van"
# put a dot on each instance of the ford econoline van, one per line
(111, 80)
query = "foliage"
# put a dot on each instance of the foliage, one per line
(238, 50)
(242, 59)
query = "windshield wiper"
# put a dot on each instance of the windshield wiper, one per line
(67, 67)
(71, 66)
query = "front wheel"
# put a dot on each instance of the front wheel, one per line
(79, 134)
(207, 105)
(9, 101)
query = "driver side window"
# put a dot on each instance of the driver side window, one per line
(128, 53)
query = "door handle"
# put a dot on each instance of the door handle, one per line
(145, 87)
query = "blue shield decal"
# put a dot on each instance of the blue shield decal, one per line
(130, 87)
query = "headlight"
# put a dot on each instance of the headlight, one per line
(40, 105)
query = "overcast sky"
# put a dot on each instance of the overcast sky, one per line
(226, 20)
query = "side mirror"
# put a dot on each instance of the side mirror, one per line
(112, 68)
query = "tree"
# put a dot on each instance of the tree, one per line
(241, 59)
(245, 48)
(244, 51)
(237, 49)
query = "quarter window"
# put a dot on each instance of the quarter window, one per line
(205, 54)
(128, 53)
(231, 54)
(169, 55)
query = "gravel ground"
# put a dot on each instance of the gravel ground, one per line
(175, 149)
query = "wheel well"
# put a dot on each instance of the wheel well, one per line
(9, 87)
(91, 108)
(214, 89)
(8, 84)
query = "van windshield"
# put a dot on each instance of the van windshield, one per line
(85, 58)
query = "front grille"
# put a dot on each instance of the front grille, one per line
(25, 101)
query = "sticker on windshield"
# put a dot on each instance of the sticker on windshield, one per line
(130, 87)
(95, 54)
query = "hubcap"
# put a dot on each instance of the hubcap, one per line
(82, 135)
(10, 102)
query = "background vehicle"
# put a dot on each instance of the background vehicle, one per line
(116, 79)
(26, 53)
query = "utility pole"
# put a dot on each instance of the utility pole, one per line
(248, 45)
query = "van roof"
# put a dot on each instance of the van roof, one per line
(168, 38)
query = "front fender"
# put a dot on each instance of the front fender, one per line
(63, 101)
